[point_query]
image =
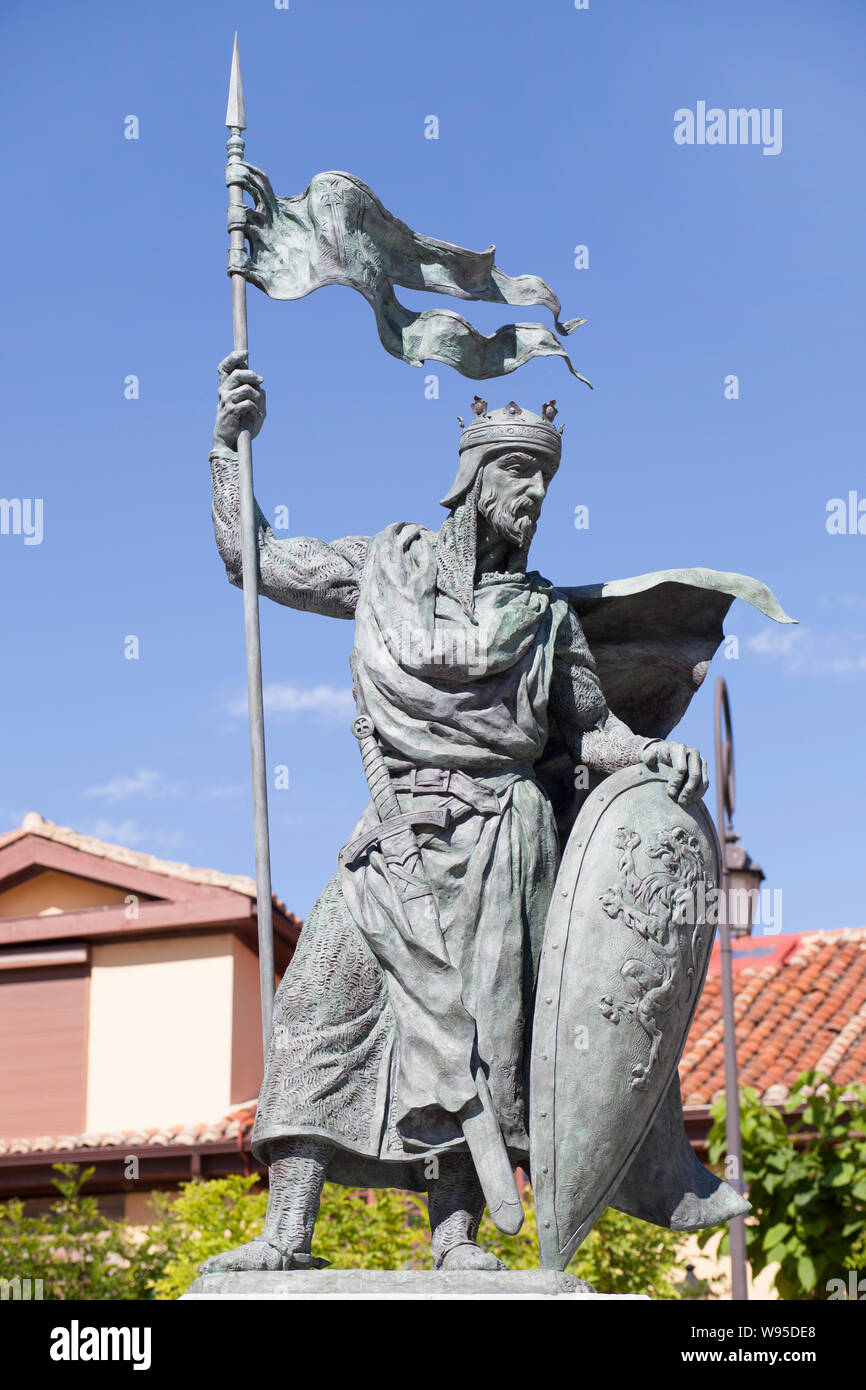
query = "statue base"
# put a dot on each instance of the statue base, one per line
(398, 1284)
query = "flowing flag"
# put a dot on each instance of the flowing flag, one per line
(338, 233)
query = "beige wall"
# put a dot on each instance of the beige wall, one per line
(160, 1046)
(717, 1270)
(52, 891)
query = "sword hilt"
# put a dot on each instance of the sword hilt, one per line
(397, 837)
(382, 793)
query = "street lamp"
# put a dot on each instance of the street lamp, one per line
(741, 879)
(744, 879)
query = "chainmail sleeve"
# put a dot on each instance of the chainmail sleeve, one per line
(592, 734)
(300, 572)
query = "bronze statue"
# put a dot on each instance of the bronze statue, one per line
(402, 1029)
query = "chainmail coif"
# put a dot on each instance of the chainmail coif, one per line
(457, 548)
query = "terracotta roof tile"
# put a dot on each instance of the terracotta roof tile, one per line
(231, 1126)
(799, 1003)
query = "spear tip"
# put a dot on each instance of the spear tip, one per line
(236, 116)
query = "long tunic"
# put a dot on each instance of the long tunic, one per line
(374, 1036)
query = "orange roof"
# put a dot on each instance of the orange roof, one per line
(799, 1004)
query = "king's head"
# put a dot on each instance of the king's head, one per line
(507, 459)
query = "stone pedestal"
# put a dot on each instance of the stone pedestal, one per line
(397, 1284)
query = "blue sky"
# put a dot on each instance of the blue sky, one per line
(556, 129)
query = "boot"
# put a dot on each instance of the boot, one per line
(297, 1174)
(456, 1205)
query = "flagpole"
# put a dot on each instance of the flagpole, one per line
(236, 123)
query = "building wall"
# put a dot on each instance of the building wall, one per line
(160, 1040)
(246, 1026)
(51, 891)
(43, 1046)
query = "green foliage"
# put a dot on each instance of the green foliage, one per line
(624, 1255)
(382, 1230)
(81, 1254)
(806, 1181)
(388, 1231)
(73, 1248)
(205, 1219)
(621, 1254)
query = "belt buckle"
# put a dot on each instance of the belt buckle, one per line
(430, 779)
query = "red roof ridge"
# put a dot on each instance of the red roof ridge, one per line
(35, 824)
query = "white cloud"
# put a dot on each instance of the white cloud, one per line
(803, 652)
(130, 834)
(324, 701)
(144, 783)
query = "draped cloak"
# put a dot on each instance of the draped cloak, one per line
(370, 1046)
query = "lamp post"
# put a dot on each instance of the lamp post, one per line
(741, 878)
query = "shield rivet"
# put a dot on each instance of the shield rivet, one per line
(565, 892)
(548, 1000)
(545, 1170)
(547, 1225)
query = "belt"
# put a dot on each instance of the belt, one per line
(448, 782)
(460, 794)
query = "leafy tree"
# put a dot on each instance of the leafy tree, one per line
(806, 1181)
(624, 1255)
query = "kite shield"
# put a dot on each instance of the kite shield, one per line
(626, 949)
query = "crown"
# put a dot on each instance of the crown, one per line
(512, 425)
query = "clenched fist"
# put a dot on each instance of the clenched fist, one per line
(241, 401)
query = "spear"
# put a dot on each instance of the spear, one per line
(236, 122)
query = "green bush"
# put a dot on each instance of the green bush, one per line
(74, 1249)
(389, 1230)
(79, 1253)
(621, 1254)
(806, 1183)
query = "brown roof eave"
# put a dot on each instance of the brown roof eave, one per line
(159, 1166)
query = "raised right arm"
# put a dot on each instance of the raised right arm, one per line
(300, 572)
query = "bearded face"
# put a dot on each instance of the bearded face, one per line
(513, 489)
